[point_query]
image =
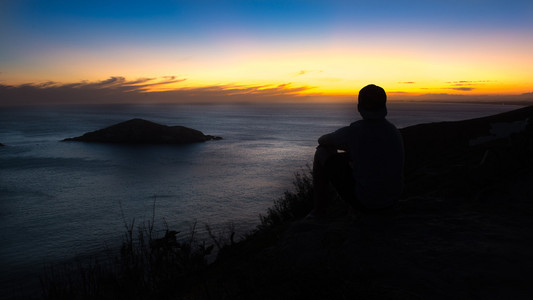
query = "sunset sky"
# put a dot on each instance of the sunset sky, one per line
(186, 50)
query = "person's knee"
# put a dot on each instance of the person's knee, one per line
(322, 154)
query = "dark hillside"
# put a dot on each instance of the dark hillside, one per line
(464, 229)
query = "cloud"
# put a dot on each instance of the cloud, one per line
(121, 84)
(406, 82)
(118, 89)
(465, 85)
(461, 83)
(463, 89)
(469, 81)
(397, 92)
(303, 72)
(236, 93)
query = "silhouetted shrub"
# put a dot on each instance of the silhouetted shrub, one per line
(146, 267)
(149, 266)
(293, 205)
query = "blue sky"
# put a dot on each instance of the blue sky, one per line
(199, 41)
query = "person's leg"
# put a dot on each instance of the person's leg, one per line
(320, 180)
(340, 174)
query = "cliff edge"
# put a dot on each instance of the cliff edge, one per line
(463, 230)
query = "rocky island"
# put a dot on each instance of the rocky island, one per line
(139, 131)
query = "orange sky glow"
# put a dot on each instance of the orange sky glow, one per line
(271, 54)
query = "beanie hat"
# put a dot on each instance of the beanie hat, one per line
(372, 102)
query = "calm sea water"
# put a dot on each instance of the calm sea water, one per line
(59, 200)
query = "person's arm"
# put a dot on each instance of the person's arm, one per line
(326, 140)
(332, 140)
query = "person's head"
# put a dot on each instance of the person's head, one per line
(372, 102)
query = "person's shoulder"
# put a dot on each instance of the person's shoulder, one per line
(390, 127)
(357, 123)
(390, 124)
(373, 123)
(342, 130)
(368, 123)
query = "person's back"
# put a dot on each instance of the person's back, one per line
(376, 153)
(370, 175)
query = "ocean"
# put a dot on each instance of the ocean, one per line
(63, 200)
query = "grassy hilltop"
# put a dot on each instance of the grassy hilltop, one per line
(463, 230)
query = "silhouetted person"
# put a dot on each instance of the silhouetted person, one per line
(369, 173)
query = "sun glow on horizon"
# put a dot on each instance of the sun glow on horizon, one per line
(272, 50)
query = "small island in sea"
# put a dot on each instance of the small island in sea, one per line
(139, 131)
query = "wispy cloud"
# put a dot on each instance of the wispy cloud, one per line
(113, 83)
(303, 72)
(120, 83)
(235, 93)
(463, 89)
(118, 89)
(469, 81)
(397, 92)
(466, 85)
(406, 82)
